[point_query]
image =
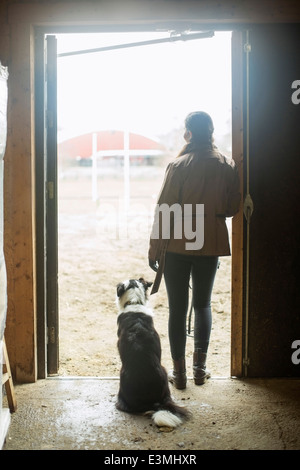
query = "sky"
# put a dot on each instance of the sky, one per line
(147, 90)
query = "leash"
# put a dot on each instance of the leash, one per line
(190, 317)
(190, 321)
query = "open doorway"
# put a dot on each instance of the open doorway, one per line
(104, 216)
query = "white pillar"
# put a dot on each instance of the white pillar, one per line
(94, 168)
(126, 172)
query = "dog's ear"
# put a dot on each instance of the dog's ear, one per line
(145, 283)
(120, 289)
(149, 284)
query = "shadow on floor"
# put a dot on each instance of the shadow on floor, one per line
(80, 414)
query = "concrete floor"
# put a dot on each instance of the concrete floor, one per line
(80, 414)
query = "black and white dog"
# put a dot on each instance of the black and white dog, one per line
(143, 380)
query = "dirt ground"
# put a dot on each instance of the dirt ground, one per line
(99, 247)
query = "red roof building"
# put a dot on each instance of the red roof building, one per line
(110, 144)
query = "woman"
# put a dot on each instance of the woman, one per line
(199, 177)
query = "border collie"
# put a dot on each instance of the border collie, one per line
(144, 384)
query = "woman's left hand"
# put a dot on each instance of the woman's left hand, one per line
(153, 265)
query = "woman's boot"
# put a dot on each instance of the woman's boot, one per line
(199, 367)
(177, 376)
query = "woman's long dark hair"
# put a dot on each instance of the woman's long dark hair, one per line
(201, 126)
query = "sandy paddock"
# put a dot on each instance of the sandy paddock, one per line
(99, 247)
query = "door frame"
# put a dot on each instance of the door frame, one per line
(46, 205)
(237, 261)
(51, 219)
(40, 209)
(237, 276)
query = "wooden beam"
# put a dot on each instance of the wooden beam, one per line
(160, 11)
(19, 243)
(7, 381)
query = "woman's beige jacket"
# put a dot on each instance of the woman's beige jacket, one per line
(204, 177)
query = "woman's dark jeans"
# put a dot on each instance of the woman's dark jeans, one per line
(177, 273)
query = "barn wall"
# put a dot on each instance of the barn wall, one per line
(17, 21)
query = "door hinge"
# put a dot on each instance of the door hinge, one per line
(248, 207)
(247, 47)
(50, 189)
(51, 335)
(49, 119)
(246, 361)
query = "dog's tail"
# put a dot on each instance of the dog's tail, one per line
(166, 418)
(170, 415)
